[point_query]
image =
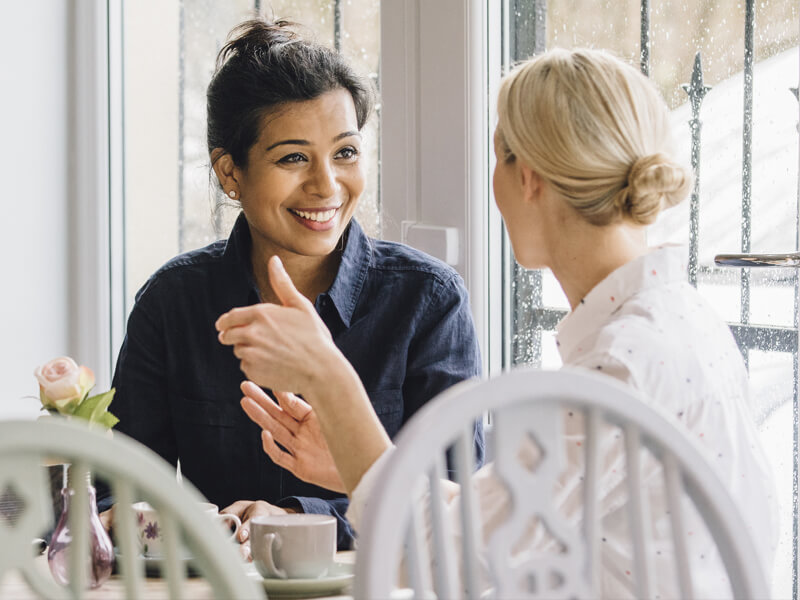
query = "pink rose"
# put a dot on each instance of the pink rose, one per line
(63, 384)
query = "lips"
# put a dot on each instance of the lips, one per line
(317, 215)
(318, 219)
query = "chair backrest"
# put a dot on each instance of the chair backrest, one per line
(410, 533)
(134, 473)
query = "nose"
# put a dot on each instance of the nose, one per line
(322, 180)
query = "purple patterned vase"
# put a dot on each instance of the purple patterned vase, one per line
(102, 550)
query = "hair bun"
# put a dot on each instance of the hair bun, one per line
(252, 37)
(654, 182)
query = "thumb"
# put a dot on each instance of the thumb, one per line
(282, 285)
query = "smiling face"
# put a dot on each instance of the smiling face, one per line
(303, 176)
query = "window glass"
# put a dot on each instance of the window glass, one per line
(755, 201)
(172, 204)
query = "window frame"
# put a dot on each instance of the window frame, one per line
(437, 115)
(96, 293)
(434, 137)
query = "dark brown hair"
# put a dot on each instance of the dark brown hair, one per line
(263, 65)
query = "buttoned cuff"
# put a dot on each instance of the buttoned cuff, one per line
(316, 506)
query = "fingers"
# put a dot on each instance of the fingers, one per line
(244, 334)
(276, 416)
(233, 337)
(294, 406)
(283, 287)
(284, 437)
(257, 414)
(256, 509)
(274, 413)
(239, 508)
(264, 420)
(274, 430)
(107, 518)
(450, 489)
(253, 391)
(236, 317)
(277, 455)
(244, 532)
(251, 510)
(244, 552)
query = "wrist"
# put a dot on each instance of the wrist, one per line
(331, 370)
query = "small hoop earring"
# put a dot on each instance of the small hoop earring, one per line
(232, 194)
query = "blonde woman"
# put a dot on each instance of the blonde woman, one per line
(584, 164)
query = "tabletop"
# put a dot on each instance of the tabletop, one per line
(13, 587)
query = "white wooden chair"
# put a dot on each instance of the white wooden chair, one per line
(134, 473)
(531, 405)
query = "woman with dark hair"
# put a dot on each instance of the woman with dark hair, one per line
(284, 122)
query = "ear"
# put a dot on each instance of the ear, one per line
(226, 170)
(531, 182)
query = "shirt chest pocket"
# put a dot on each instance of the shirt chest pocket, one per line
(388, 405)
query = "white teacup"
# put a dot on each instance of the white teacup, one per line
(151, 532)
(293, 546)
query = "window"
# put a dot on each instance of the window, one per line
(436, 160)
(172, 204)
(744, 140)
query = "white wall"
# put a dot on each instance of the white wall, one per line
(34, 159)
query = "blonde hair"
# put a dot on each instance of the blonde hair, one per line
(597, 130)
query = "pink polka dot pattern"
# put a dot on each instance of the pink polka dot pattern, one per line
(646, 326)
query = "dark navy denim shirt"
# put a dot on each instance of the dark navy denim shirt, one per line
(400, 317)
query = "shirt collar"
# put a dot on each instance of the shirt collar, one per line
(237, 252)
(349, 281)
(661, 266)
(356, 258)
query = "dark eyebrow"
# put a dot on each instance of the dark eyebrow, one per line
(347, 134)
(307, 143)
(290, 143)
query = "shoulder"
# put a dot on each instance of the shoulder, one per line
(671, 337)
(401, 261)
(192, 261)
(186, 269)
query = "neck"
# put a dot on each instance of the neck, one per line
(591, 254)
(311, 275)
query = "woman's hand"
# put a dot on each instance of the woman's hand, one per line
(294, 426)
(288, 347)
(281, 347)
(246, 510)
(107, 519)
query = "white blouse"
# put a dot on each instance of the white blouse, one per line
(646, 326)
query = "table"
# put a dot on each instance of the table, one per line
(13, 587)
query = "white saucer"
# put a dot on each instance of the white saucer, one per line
(153, 564)
(337, 579)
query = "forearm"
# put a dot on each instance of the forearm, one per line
(351, 428)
